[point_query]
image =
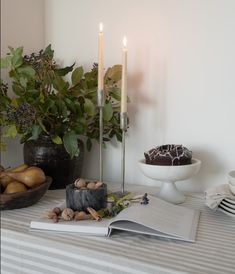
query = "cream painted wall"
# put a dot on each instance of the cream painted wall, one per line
(181, 76)
(22, 24)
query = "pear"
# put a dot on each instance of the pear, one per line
(19, 168)
(5, 180)
(31, 177)
(14, 187)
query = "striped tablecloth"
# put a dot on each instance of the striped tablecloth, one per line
(24, 251)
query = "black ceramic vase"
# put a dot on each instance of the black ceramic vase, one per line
(54, 160)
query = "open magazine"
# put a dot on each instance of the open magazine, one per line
(158, 218)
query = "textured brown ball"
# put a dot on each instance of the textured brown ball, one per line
(91, 185)
(81, 215)
(98, 184)
(57, 210)
(80, 183)
(67, 214)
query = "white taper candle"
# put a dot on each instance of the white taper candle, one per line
(101, 59)
(124, 77)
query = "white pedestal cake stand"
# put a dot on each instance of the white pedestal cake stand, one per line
(169, 175)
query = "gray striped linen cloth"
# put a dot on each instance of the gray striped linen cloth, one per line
(33, 252)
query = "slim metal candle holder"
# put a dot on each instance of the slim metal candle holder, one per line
(123, 126)
(100, 103)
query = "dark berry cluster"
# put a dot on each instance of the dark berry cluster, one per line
(95, 65)
(25, 115)
(4, 88)
(145, 199)
(34, 59)
(11, 114)
(39, 60)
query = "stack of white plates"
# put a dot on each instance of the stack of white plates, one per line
(227, 206)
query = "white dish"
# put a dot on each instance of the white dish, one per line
(228, 204)
(231, 178)
(232, 187)
(168, 175)
(226, 212)
(230, 201)
(229, 209)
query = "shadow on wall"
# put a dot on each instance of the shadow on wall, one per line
(13, 156)
(211, 167)
(138, 96)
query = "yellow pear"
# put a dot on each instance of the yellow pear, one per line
(31, 177)
(5, 180)
(14, 187)
(19, 168)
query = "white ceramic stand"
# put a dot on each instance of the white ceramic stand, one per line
(168, 175)
(170, 193)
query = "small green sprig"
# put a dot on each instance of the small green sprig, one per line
(116, 206)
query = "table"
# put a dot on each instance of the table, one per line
(25, 251)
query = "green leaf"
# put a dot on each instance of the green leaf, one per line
(116, 93)
(89, 107)
(88, 144)
(70, 105)
(23, 82)
(91, 92)
(10, 131)
(60, 84)
(114, 73)
(49, 104)
(42, 126)
(108, 111)
(17, 59)
(26, 71)
(36, 130)
(18, 89)
(78, 109)
(14, 102)
(64, 71)
(77, 75)
(112, 133)
(6, 62)
(49, 52)
(25, 138)
(57, 140)
(18, 51)
(79, 128)
(71, 143)
(119, 136)
(41, 98)
(33, 91)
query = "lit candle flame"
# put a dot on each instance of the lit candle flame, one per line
(124, 41)
(101, 27)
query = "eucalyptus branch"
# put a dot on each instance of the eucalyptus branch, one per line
(63, 109)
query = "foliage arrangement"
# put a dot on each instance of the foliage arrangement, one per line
(46, 102)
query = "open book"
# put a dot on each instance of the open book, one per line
(158, 218)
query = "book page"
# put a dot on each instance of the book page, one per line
(137, 228)
(160, 216)
(84, 227)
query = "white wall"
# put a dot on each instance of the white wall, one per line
(22, 24)
(181, 76)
